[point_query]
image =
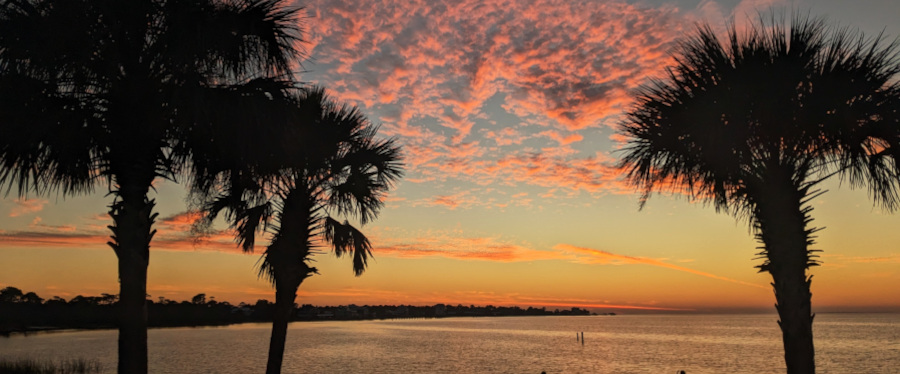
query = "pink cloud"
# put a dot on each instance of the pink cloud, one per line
(180, 222)
(454, 244)
(173, 234)
(462, 199)
(37, 223)
(458, 81)
(562, 140)
(506, 136)
(546, 57)
(74, 238)
(26, 206)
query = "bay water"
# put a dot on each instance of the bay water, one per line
(845, 343)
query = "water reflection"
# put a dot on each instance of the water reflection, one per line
(620, 344)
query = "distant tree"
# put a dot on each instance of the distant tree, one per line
(199, 299)
(10, 295)
(108, 299)
(328, 163)
(753, 125)
(83, 300)
(56, 301)
(113, 92)
(31, 298)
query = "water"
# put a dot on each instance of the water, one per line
(845, 343)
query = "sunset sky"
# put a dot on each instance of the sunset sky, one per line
(506, 113)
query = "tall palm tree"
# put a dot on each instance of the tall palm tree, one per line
(753, 125)
(291, 185)
(115, 92)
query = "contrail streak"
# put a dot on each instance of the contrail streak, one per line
(606, 257)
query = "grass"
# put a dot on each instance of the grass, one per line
(32, 366)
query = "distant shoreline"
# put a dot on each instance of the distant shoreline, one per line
(29, 330)
(27, 312)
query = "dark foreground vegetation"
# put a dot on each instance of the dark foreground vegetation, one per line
(22, 312)
(30, 366)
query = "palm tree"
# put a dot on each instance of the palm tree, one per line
(290, 185)
(117, 92)
(753, 125)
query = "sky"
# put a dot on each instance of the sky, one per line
(506, 112)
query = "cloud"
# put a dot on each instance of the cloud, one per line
(25, 206)
(454, 244)
(505, 136)
(48, 238)
(69, 238)
(596, 256)
(181, 221)
(474, 89)
(550, 168)
(173, 234)
(37, 223)
(839, 260)
(742, 14)
(462, 199)
(563, 140)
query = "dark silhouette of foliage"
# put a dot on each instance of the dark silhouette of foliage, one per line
(118, 92)
(96, 312)
(290, 182)
(67, 366)
(11, 295)
(753, 124)
(89, 312)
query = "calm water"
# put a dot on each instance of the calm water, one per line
(845, 343)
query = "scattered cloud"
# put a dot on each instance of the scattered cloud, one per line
(25, 206)
(37, 223)
(454, 244)
(492, 92)
(462, 199)
(180, 222)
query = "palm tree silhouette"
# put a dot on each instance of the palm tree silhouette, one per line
(290, 185)
(753, 125)
(117, 92)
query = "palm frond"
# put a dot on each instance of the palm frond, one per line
(346, 239)
(44, 145)
(239, 40)
(801, 98)
(223, 127)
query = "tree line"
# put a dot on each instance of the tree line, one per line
(24, 312)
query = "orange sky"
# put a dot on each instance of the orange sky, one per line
(506, 112)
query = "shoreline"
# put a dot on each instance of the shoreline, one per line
(28, 330)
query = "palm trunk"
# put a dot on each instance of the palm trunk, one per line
(782, 221)
(133, 219)
(284, 308)
(287, 256)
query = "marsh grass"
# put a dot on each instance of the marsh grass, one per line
(32, 366)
